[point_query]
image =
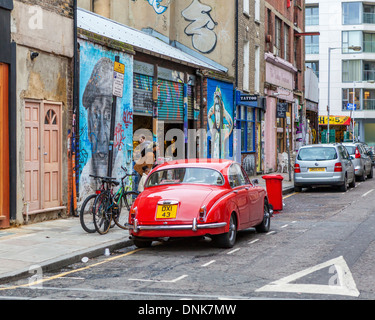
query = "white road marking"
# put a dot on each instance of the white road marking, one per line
(271, 232)
(208, 263)
(343, 277)
(256, 240)
(284, 226)
(367, 193)
(233, 251)
(163, 281)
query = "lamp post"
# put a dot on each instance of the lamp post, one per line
(354, 48)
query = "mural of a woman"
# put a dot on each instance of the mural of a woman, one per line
(220, 125)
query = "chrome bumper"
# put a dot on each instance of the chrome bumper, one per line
(194, 226)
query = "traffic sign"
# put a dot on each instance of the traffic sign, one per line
(349, 106)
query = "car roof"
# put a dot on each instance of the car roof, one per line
(326, 145)
(217, 164)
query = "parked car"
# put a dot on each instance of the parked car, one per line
(361, 160)
(189, 198)
(371, 153)
(323, 165)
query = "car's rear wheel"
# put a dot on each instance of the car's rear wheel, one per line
(344, 187)
(227, 240)
(266, 223)
(142, 243)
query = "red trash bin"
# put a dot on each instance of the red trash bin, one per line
(274, 185)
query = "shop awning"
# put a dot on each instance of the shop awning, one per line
(334, 120)
(139, 40)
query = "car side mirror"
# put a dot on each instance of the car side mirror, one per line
(352, 157)
(254, 182)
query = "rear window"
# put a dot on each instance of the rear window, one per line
(351, 149)
(317, 154)
(185, 175)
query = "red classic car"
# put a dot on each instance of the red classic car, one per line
(187, 198)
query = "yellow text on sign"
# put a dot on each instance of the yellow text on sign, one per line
(119, 67)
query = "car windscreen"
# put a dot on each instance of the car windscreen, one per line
(185, 175)
(351, 149)
(317, 154)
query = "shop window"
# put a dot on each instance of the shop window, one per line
(246, 122)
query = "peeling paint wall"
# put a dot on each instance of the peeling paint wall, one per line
(46, 78)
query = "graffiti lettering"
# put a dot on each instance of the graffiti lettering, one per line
(127, 117)
(201, 27)
(159, 9)
(119, 137)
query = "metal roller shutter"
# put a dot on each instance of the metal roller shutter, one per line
(170, 101)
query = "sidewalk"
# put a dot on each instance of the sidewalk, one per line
(58, 243)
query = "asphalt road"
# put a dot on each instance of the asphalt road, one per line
(321, 246)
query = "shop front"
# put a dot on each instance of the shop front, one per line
(339, 129)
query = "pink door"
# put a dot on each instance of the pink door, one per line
(51, 156)
(32, 156)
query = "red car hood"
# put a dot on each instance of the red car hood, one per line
(189, 197)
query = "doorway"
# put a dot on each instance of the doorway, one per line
(42, 155)
(4, 146)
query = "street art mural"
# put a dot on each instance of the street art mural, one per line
(220, 119)
(158, 7)
(201, 27)
(95, 113)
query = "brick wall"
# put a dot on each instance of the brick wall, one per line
(61, 7)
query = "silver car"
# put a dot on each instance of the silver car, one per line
(361, 160)
(323, 165)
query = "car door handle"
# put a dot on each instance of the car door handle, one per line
(235, 191)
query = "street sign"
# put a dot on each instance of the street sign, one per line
(118, 84)
(349, 106)
(119, 67)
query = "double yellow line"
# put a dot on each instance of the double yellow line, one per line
(64, 274)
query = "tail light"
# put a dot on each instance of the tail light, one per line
(202, 213)
(98, 192)
(338, 167)
(297, 168)
(133, 213)
(357, 153)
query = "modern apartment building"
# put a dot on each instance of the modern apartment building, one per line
(341, 47)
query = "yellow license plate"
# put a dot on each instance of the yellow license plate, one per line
(167, 211)
(317, 169)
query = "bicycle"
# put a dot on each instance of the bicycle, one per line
(108, 206)
(85, 214)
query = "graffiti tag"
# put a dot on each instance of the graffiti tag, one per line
(201, 27)
(159, 9)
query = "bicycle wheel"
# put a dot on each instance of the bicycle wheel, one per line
(118, 218)
(129, 198)
(85, 214)
(102, 213)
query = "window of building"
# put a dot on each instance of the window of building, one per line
(347, 97)
(351, 38)
(312, 15)
(368, 99)
(351, 70)
(312, 44)
(257, 10)
(277, 36)
(351, 13)
(286, 43)
(368, 70)
(314, 65)
(246, 122)
(368, 13)
(256, 69)
(246, 65)
(369, 42)
(246, 8)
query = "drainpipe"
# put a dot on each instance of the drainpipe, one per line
(236, 45)
(201, 102)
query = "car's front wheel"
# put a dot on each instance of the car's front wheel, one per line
(227, 240)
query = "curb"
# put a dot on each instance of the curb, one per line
(66, 260)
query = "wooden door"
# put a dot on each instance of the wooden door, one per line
(32, 156)
(4, 146)
(51, 156)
